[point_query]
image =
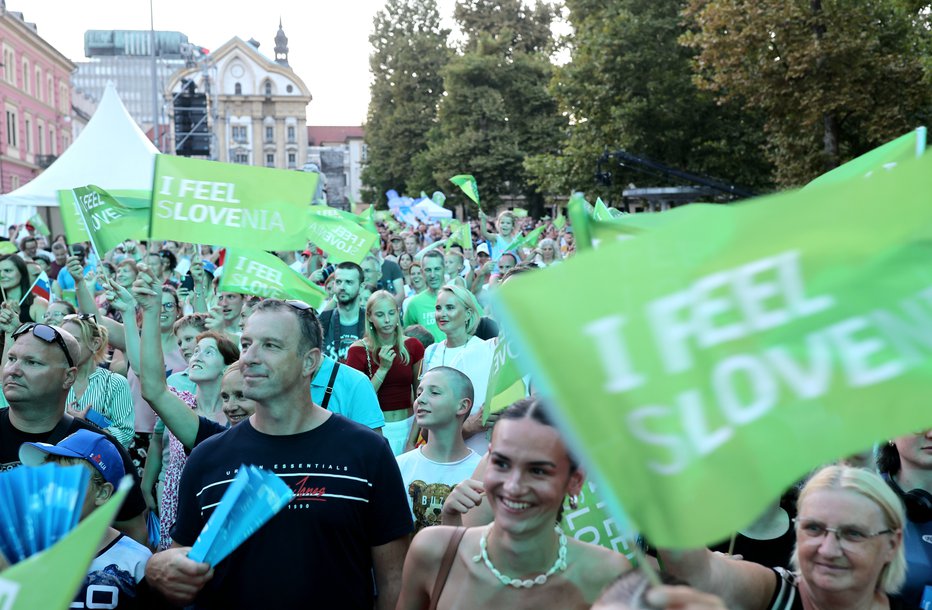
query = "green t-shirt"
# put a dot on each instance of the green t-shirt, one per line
(421, 311)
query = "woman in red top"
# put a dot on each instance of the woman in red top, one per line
(392, 362)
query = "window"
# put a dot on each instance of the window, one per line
(292, 161)
(291, 133)
(270, 159)
(53, 145)
(268, 88)
(237, 89)
(9, 65)
(38, 82)
(64, 99)
(41, 139)
(11, 128)
(269, 133)
(241, 158)
(239, 133)
(28, 136)
(289, 88)
(26, 75)
(50, 90)
(14, 182)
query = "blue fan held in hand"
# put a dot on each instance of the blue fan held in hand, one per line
(254, 497)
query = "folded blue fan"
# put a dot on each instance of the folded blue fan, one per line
(38, 506)
(254, 497)
(154, 529)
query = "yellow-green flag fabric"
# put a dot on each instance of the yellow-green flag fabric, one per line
(339, 234)
(468, 185)
(883, 158)
(460, 234)
(7, 247)
(49, 580)
(89, 213)
(206, 202)
(36, 221)
(528, 241)
(247, 271)
(735, 348)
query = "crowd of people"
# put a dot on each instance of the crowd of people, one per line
(370, 408)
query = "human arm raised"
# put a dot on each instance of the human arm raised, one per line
(484, 227)
(742, 585)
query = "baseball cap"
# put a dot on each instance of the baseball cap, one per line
(209, 267)
(483, 249)
(86, 445)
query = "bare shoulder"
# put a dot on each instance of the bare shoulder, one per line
(431, 543)
(594, 567)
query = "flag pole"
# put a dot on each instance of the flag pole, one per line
(28, 292)
(87, 226)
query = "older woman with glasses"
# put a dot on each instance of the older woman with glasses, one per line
(98, 395)
(849, 552)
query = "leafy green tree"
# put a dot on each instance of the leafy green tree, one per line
(409, 51)
(629, 87)
(833, 78)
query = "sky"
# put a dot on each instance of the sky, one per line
(328, 42)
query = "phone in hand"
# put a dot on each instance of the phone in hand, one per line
(188, 282)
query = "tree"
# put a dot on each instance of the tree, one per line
(629, 87)
(833, 78)
(496, 109)
(409, 51)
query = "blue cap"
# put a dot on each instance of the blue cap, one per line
(209, 267)
(86, 445)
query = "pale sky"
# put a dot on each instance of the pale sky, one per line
(328, 41)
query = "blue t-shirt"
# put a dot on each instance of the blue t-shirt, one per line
(353, 395)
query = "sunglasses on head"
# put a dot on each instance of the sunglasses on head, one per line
(45, 333)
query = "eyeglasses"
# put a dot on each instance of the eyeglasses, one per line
(82, 317)
(846, 535)
(168, 306)
(47, 334)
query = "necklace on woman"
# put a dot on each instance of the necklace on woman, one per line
(558, 566)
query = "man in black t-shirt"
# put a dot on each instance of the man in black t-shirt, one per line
(349, 516)
(345, 324)
(37, 375)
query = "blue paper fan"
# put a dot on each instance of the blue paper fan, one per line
(38, 506)
(254, 497)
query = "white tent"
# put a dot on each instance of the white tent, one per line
(111, 152)
(429, 210)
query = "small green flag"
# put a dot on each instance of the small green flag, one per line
(438, 198)
(506, 384)
(601, 211)
(366, 220)
(50, 579)
(36, 221)
(265, 275)
(339, 234)
(8, 247)
(909, 146)
(560, 221)
(109, 220)
(461, 234)
(529, 240)
(468, 184)
(519, 213)
(745, 343)
(206, 202)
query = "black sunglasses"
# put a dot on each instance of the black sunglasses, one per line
(83, 317)
(299, 305)
(47, 334)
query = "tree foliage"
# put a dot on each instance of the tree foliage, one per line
(629, 87)
(833, 78)
(409, 51)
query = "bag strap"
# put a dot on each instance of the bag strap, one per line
(329, 390)
(445, 564)
(60, 431)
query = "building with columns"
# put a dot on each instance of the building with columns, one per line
(35, 96)
(257, 107)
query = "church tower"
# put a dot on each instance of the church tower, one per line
(281, 45)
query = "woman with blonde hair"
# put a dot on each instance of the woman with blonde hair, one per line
(392, 362)
(849, 552)
(457, 315)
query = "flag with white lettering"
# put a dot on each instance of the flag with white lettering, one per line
(206, 202)
(732, 349)
(506, 385)
(265, 275)
(339, 234)
(110, 220)
(907, 146)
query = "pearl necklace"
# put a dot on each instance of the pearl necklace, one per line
(558, 566)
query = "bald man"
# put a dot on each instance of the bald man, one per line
(430, 472)
(38, 371)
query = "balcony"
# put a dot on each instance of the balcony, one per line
(44, 161)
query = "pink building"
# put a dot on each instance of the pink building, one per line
(35, 101)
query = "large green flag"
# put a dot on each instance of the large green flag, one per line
(339, 234)
(882, 158)
(366, 221)
(256, 272)
(206, 202)
(36, 221)
(736, 348)
(468, 184)
(8, 247)
(109, 219)
(50, 579)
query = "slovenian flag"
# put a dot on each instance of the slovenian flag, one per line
(42, 287)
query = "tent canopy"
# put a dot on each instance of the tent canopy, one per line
(111, 152)
(431, 211)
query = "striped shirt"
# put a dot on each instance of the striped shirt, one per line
(108, 394)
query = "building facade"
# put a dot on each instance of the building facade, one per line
(125, 57)
(340, 153)
(257, 106)
(35, 95)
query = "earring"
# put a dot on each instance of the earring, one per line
(574, 502)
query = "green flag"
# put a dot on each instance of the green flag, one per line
(265, 275)
(110, 220)
(339, 234)
(519, 213)
(461, 234)
(579, 217)
(50, 579)
(601, 211)
(206, 202)
(529, 240)
(36, 221)
(468, 184)
(367, 221)
(736, 348)
(560, 221)
(438, 198)
(8, 247)
(591, 522)
(506, 385)
(382, 215)
(908, 146)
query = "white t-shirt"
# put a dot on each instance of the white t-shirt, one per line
(428, 483)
